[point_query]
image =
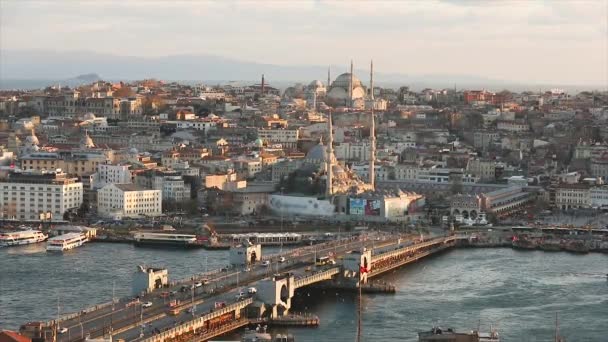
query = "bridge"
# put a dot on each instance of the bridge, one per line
(218, 306)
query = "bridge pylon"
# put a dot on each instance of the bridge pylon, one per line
(276, 294)
(357, 264)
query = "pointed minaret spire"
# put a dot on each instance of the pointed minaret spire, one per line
(330, 153)
(350, 85)
(372, 134)
(263, 84)
(371, 80)
(328, 78)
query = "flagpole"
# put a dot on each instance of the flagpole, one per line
(359, 316)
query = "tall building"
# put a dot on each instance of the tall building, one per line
(36, 195)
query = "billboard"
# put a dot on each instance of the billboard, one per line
(356, 206)
(372, 208)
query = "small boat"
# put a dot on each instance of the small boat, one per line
(439, 335)
(551, 247)
(260, 335)
(524, 244)
(20, 238)
(577, 247)
(66, 242)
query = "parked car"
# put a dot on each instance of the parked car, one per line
(146, 304)
(252, 290)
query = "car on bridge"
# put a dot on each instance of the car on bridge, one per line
(282, 259)
(266, 263)
(62, 330)
(146, 305)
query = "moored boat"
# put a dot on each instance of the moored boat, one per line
(576, 247)
(20, 238)
(440, 335)
(66, 242)
(166, 240)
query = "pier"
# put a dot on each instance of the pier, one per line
(219, 306)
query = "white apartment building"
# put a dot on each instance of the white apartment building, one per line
(204, 125)
(173, 188)
(126, 200)
(568, 196)
(356, 151)
(598, 197)
(288, 138)
(513, 126)
(34, 195)
(406, 172)
(111, 174)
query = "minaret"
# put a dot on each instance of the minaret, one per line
(372, 133)
(350, 86)
(329, 163)
(328, 80)
(262, 90)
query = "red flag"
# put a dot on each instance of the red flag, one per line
(363, 269)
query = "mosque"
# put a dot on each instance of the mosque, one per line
(345, 193)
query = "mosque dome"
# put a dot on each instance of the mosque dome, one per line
(89, 116)
(317, 153)
(133, 150)
(316, 84)
(344, 80)
(339, 91)
(259, 142)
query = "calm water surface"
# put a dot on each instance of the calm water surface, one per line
(518, 292)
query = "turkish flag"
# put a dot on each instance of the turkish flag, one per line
(363, 269)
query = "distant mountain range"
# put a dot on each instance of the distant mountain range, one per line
(37, 68)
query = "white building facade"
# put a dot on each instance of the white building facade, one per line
(39, 195)
(126, 200)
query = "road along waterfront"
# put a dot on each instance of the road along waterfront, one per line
(517, 291)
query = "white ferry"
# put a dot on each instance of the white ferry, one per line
(165, 239)
(23, 237)
(66, 242)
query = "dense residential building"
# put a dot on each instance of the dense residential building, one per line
(39, 195)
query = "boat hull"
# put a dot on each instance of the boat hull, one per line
(164, 244)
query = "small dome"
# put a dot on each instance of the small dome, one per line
(133, 150)
(89, 116)
(259, 142)
(316, 84)
(317, 153)
(87, 141)
(32, 139)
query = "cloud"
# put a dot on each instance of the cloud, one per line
(514, 38)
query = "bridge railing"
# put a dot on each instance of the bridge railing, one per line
(380, 257)
(315, 277)
(198, 322)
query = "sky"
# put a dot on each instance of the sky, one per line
(558, 41)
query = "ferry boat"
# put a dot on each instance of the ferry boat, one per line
(439, 335)
(24, 237)
(166, 239)
(66, 242)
